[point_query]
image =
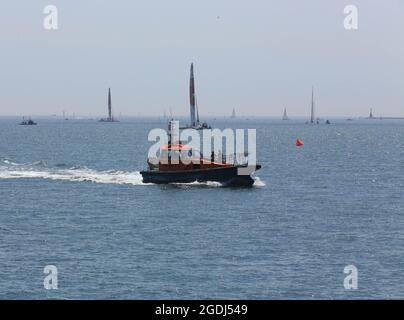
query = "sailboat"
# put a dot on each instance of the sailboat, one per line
(312, 117)
(312, 106)
(27, 122)
(194, 110)
(371, 114)
(110, 116)
(285, 115)
(233, 114)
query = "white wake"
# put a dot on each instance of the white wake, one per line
(39, 170)
(258, 182)
(18, 171)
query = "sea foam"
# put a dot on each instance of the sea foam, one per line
(11, 170)
(39, 170)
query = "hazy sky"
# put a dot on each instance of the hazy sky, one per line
(258, 56)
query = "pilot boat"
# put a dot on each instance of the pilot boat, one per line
(204, 170)
(181, 163)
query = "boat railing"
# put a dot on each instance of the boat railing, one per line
(236, 158)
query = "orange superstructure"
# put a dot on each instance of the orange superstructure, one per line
(179, 157)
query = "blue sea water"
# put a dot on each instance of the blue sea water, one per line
(71, 196)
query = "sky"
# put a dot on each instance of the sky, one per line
(257, 56)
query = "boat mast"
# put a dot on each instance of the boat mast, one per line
(312, 105)
(192, 96)
(109, 105)
(285, 115)
(233, 115)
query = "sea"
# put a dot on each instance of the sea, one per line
(322, 221)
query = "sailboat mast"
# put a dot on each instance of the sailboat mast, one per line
(285, 115)
(109, 105)
(312, 105)
(192, 95)
(233, 114)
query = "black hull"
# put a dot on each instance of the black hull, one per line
(226, 176)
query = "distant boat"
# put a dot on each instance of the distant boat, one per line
(312, 115)
(285, 115)
(372, 117)
(371, 114)
(327, 122)
(194, 109)
(233, 114)
(27, 122)
(110, 116)
(312, 106)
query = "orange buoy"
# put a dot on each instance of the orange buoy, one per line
(299, 143)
